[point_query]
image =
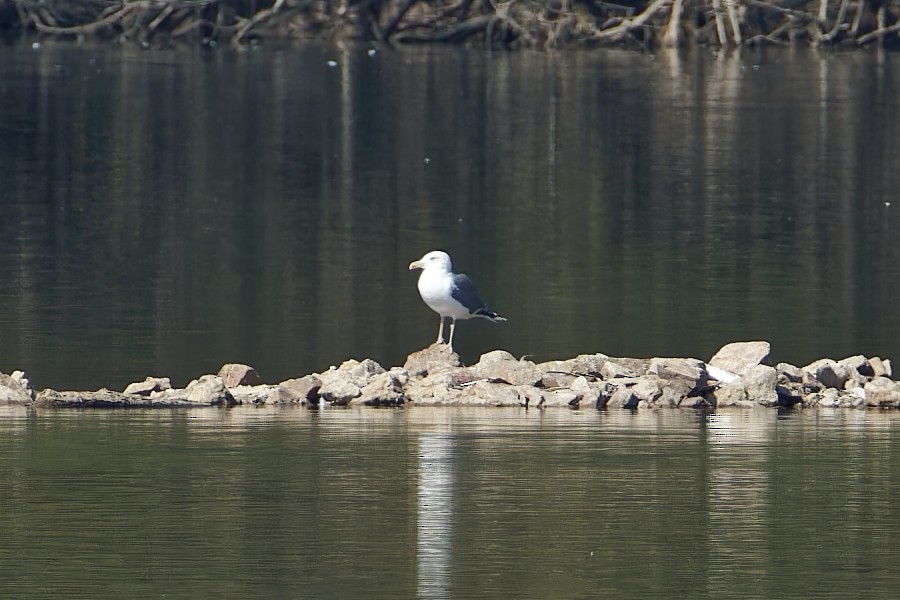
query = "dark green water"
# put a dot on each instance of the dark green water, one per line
(164, 212)
(266, 503)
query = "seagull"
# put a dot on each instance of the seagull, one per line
(449, 294)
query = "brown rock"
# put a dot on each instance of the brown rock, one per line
(235, 374)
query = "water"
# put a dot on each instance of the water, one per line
(275, 503)
(168, 211)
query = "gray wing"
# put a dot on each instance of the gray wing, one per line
(465, 292)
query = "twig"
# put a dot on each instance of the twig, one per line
(865, 39)
(625, 26)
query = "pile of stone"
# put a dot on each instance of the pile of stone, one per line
(736, 376)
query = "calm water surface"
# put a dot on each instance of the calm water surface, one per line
(266, 503)
(168, 211)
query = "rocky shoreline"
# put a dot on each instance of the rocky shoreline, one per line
(735, 377)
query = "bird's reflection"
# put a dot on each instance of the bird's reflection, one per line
(434, 515)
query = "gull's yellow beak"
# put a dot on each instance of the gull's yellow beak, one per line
(416, 264)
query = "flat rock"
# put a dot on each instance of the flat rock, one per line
(503, 366)
(740, 357)
(252, 394)
(235, 374)
(882, 392)
(789, 373)
(385, 389)
(104, 398)
(300, 390)
(682, 375)
(148, 386)
(832, 374)
(435, 357)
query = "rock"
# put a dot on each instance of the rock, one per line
(338, 390)
(587, 393)
(385, 389)
(209, 390)
(436, 357)
(740, 357)
(15, 389)
(720, 375)
(503, 366)
(760, 385)
(635, 366)
(682, 375)
(613, 370)
(302, 390)
(732, 394)
(235, 374)
(880, 368)
(557, 373)
(858, 365)
(828, 398)
(564, 397)
(252, 394)
(477, 393)
(342, 384)
(882, 392)
(148, 386)
(589, 364)
(622, 398)
(787, 372)
(832, 374)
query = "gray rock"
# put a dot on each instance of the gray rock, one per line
(589, 364)
(436, 357)
(104, 398)
(732, 394)
(832, 374)
(342, 384)
(789, 373)
(562, 398)
(635, 366)
(208, 390)
(760, 385)
(301, 390)
(740, 357)
(613, 370)
(682, 375)
(587, 392)
(253, 394)
(857, 365)
(15, 389)
(828, 398)
(882, 392)
(235, 374)
(148, 386)
(880, 368)
(476, 393)
(503, 366)
(385, 389)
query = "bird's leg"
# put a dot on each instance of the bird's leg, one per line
(452, 328)
(440, 338)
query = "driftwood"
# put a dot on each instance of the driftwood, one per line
(488, 23)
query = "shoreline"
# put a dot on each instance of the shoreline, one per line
(737, 376)
(552, 24)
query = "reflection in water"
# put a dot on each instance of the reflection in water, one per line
(738, 498)
(434, 527)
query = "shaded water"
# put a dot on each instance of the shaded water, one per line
(165, 212)
(267, 503)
